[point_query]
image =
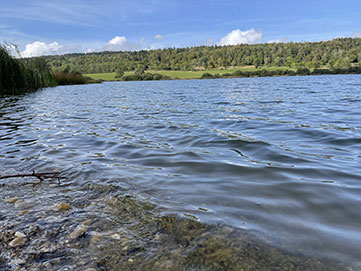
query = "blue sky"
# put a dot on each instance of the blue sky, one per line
(54, 27)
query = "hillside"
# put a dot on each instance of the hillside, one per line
(340, 53)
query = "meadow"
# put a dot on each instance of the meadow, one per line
(196, 74)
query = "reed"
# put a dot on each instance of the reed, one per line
(23, 75)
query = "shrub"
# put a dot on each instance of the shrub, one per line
(69, 78)
(207, 76)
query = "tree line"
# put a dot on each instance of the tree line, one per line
(342, 53)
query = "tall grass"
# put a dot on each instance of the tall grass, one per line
(22, 75)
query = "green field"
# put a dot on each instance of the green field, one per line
(104, 76)
(183, 74)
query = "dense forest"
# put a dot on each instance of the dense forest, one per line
(340, 53)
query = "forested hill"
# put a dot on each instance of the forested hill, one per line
(338, 53)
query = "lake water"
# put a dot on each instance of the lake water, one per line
(278, 157)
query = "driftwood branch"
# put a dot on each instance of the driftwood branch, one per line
(40, 176)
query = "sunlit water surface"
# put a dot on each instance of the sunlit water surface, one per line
(280, 157)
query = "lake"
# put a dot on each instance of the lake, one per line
(278, 158)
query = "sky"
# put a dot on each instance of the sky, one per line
(43, 27)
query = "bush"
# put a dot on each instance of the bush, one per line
(69, 78)
(207, 76)
(303, 71)
(119, 74)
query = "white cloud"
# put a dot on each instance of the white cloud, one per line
(89, 50)
(39, 48)
(278, 41)
(120, 43)
(239, 37)
(159, 37)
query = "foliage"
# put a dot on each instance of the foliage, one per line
(338, 53)
(119, 73)
(19, 76)
(69, 78)
(207, 75)
(266, 72)
(72, 78)
(145, 77)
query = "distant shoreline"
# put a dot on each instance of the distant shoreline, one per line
(219, 74)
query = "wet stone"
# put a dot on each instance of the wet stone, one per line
(22, 204)
(79, 231)
(18, 241)
(24, 212)
(63, 206)
(12, 200)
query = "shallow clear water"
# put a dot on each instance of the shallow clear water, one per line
(280, 157)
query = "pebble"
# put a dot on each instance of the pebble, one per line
(96, 237)
(79, 231)
(125, 248)
(227, 230)
(131, 260)
(116, 236)
(48, 266)
(167, 264)
(19, 235)
(63, 206)
(176, 252)
(21, 204)
(19, 240)
(12, 200)
(24, 212)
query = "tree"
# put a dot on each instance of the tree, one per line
(119, 73)
(140, 70)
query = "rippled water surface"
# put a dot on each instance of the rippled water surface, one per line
(279, 157)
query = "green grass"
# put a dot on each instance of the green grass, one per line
(105, 76)
(184, 74)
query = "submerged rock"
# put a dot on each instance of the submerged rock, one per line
(24, 212)
(79, 231)
(12, 200)
(22, 204)
(19, 235)
(63, 206)
(19, 240)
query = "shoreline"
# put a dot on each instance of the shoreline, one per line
(110, 228)
(221, 76)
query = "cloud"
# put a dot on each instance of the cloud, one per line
(239, 37)
(159, 37)
(120, 43)
(283, 40)
(62, 12)
(39, 48)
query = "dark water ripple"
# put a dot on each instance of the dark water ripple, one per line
(278, 156)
